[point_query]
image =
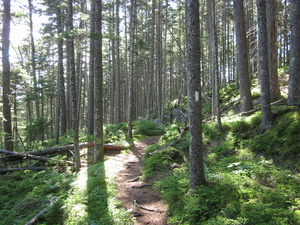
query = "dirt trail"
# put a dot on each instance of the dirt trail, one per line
(136, 195)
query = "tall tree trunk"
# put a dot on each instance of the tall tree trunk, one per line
(159, 69)
(72, 76)
(69, 93)
(7, 127)
(263, 64)
(197, 177)
(294, 88)
(80, 64)
(33, 61)
(99, 116)
(272, 47)
(112, 64)
(213, 43)
(131, 67)
(242, 56)
(15, 119)
(252, 38)
(91, 90)
(117, 77)
(61, 113)
(286, 25)
(149, 100)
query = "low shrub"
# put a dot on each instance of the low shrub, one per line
(173, 188)
(146, 127)
(210, 131)
(227, 147)
(161, 161)
(220, 220)
(228, 91)
(200, 205)
(240, 126)
(266, 143)
(261, 214)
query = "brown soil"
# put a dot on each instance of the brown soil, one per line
(136, 195)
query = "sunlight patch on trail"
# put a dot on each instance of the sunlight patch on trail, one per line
(93, 193)
(75, 205)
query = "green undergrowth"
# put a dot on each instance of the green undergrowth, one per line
(253, 177)
(113, 134)
(92, 198)
(88, 197)
(146, 128)
(24, 194)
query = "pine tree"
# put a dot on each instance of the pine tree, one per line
(197, 177)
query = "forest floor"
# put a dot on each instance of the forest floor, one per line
(137, 196)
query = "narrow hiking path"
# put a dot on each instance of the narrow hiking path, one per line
(135, 194)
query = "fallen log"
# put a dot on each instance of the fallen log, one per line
(248, 113)
(34, 157)
(113, 147)
(60, 149)
(67, 148)
(3, 171)
(41, 213)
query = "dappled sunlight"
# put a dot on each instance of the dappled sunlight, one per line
(75, 206)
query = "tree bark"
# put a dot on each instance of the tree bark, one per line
(263, 64)
(197, 177)
(294, 88)
(272, 47)
(91, 91)
(99, 117)
(242, 56)
(149, 96)
(61, 113)
(214, 69)
(118, 64)
(159, 62)
(7, 127)
(131, 68)
(72, 76)
(33, 61)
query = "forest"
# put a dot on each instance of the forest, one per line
(217, 82)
